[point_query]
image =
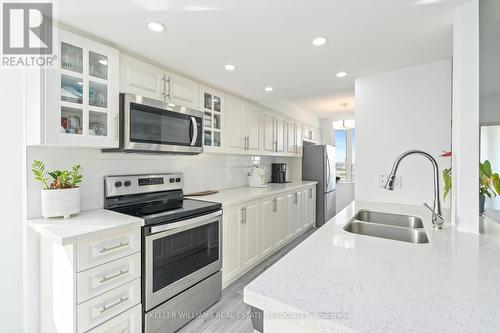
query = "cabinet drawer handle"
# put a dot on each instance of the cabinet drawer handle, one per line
(310, 193)
(114, 276)
(275, 205)
(244, 216)
(107, 249)
(112, 305)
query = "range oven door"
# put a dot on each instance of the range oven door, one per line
(151, 125)
(180, 254)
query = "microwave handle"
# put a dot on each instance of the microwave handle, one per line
(194, 134)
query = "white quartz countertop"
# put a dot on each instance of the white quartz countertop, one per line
(85, 224)
(336, 280)
(238, 195)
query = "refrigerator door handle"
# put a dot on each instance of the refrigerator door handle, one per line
(329, 167)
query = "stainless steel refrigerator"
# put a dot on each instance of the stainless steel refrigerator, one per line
(318, 163)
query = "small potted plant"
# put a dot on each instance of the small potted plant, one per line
(489, 182)
(60, 197)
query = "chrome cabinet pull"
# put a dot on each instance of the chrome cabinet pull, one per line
(117, 124)
(244, 215)
(112, 305)
(169, 95)
(296, 198)
(310, 193)
(107, 249)
(275, 205)
(164, 93)
(114, 276)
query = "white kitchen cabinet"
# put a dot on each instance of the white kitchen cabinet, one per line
(291, 144)
(76, 103)
(268, 133)
(273, 224)
(140, 78)
(233, 125)
(143, 79)
(80, 280)
(212, 104)
(231, 267)
(309, 206)
(292, 204)
(316, 135)
(273, 134)
(298, 139)
(249, 233)
(280, 135)
(255, 229)
(252, 121)
(242, 126)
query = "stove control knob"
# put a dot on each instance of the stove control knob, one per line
(177, 180)
(171, 180)
(118, 184)
(127, 183)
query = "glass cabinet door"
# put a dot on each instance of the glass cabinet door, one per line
(85, 107)
(71, 91)
(212, 108)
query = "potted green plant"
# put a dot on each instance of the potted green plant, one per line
(489, 182)
(60, 196)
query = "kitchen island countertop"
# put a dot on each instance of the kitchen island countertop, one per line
(343, 282)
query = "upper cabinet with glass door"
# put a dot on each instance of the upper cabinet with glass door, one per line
(212, 105)
(81, 96)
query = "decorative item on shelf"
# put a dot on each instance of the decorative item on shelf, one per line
(489, 182)
(62, 196)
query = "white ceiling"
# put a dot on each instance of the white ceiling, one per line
(270, 41)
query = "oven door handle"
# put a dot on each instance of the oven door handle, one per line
(194, 134)
(185, 223)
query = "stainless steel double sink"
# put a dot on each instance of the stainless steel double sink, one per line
(404, 228)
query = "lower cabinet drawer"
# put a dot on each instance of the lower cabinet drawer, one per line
(101, 308)
(128, 321)
(100, 279)
(97, 251)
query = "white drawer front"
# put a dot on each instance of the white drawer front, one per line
(97, 251)
(101, 308)
(100, 279)
(128, 321)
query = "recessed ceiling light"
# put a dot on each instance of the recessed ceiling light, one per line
(318, 41)
(268, 89)
(156, 26)
(341, 74)
(230, 67)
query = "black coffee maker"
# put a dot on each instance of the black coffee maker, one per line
(278, 173)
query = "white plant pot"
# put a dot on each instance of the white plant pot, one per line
(57, 203)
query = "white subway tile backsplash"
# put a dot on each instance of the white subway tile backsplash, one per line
(201, 172)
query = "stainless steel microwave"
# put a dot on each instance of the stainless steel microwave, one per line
(151, 126)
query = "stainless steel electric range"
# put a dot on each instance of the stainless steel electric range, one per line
(181, 247)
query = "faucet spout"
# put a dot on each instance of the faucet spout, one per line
(436, 208)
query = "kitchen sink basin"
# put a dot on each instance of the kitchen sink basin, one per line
(406, 221)
(403, 228)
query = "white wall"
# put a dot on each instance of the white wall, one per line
(396, 111)
(202, 172)
(490, 138)
(490, 109)
(12, 201)
(465, 212)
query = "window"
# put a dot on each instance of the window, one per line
(344, 143)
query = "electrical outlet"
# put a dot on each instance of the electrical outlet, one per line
(382, 180)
